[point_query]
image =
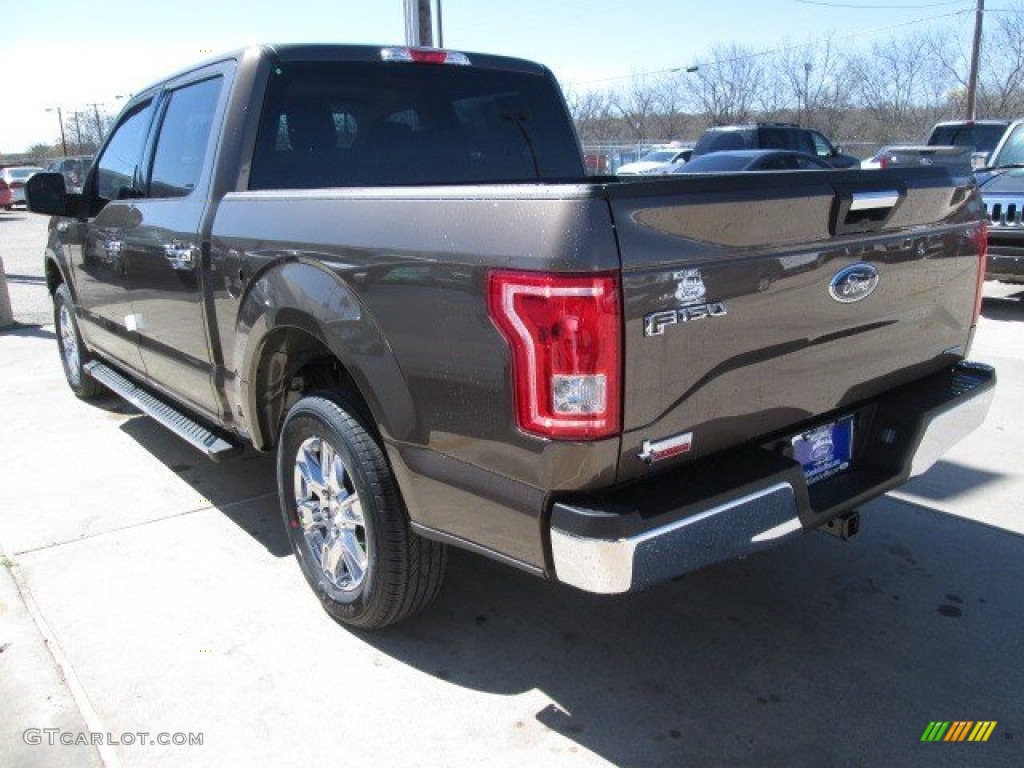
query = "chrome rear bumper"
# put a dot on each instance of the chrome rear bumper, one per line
(648, 533)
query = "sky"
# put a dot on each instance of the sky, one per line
(75, 54)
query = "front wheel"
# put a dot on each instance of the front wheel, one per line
(345, 518)
(72, 351)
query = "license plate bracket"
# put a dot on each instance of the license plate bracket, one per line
(825, 451)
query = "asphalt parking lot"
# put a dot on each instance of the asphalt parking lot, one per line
(146, 590)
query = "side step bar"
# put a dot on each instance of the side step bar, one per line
(196, 435)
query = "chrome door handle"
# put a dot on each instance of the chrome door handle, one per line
(181, 256)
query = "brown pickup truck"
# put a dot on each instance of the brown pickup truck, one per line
(388, 266)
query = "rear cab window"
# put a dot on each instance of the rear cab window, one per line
(342, 124)
(983, 137)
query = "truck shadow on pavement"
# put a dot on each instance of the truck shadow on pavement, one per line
(29, 331)
(1003, 308)
(243, 488)
(949, 480)
(821, 652)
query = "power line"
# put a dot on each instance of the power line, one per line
(771, 51)
(859, 6)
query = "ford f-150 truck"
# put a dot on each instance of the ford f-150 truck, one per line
(388, 266)
(965, 143)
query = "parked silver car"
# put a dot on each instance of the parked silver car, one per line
(16, 176)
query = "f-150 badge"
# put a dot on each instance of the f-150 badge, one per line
(691, 293)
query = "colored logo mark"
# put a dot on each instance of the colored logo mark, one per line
(959, 730)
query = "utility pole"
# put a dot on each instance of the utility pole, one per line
(76, 116)
(418, 30)
(972, 78)
(807, 100)
(60, 119)
(99, 125)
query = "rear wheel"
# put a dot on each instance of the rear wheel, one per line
(346, 521)
(72, 351)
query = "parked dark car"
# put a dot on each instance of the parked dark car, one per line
(773, 136)
(753, 160)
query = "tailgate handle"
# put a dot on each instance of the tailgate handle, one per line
(866, 201)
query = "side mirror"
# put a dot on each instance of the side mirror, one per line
(837, 150)
(46, 193)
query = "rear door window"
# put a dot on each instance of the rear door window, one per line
(183, 140)
(719, 141)
(341, 124)
(777, 138)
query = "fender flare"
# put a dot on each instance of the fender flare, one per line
(306, 296)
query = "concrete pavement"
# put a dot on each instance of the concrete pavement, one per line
(165, 586)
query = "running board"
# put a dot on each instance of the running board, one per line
(196, 435)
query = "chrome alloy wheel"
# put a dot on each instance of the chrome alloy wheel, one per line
(330, 515)
(69, 346)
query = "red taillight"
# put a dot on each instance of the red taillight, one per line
(565, 335)
(883, 161)
(425, 56)
(981, 243)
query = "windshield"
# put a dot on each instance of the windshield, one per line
(716, 163)
(1012, 152)
(660, 156)
(982, 137)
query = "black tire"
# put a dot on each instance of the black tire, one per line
(73, 354)
(377, 570)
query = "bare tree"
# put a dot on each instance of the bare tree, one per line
(672, 119)
(815, 81)
(637, 104)
(726, 89)
(1001, 92)
(899, 84)
(1001, 70)
(592, 113)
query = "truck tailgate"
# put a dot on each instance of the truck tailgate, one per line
(758, 303)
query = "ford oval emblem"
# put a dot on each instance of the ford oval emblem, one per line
(855, 282)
